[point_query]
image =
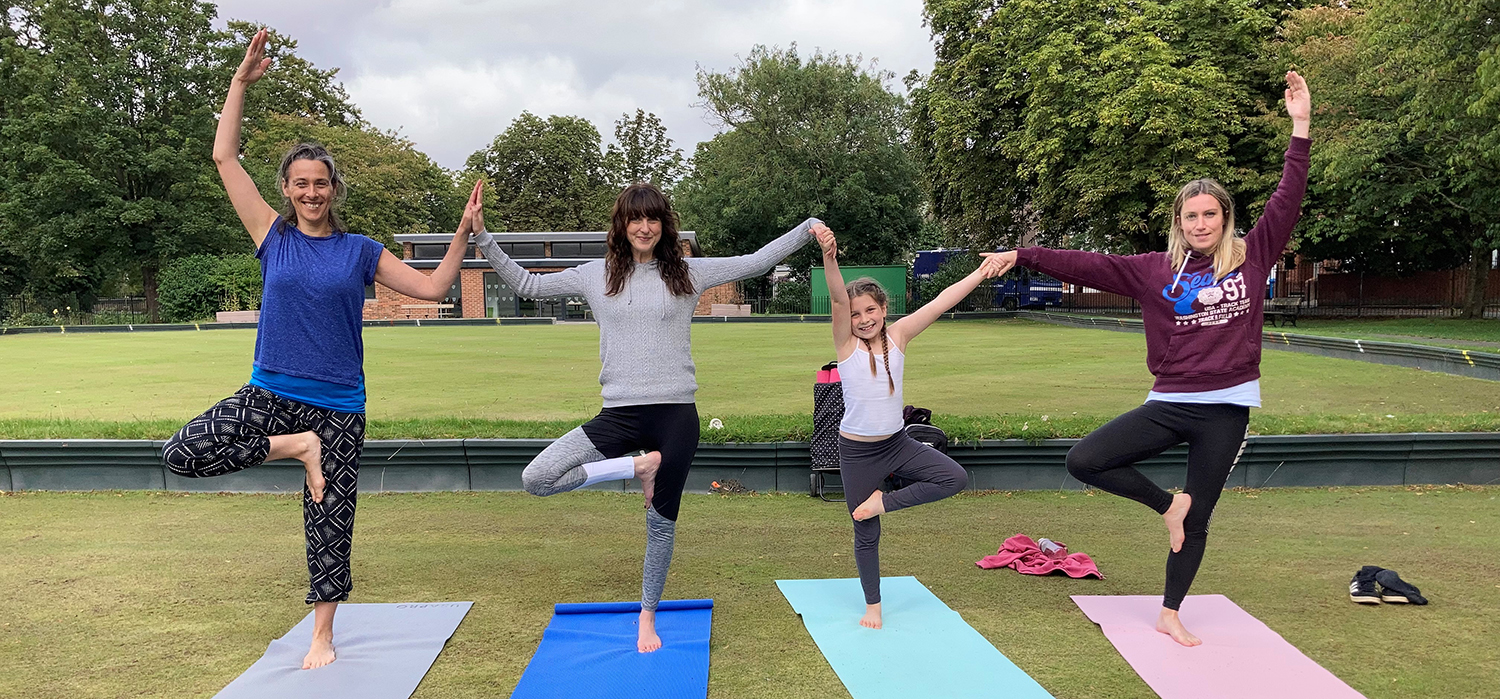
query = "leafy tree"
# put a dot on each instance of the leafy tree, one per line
(1408, 163)
(547, 174)
(642, 152)
(1076, 121)
(393, 187)
(106, 125)
(822, 136)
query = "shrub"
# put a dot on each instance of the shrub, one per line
(195, 287)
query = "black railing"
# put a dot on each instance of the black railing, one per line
(18, 312)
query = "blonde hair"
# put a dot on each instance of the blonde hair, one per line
(1229, 254)
(865, 286)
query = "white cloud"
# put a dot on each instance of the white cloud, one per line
(451, 74)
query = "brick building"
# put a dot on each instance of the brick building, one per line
(479, 292)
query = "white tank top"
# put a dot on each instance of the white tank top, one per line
(871, 408)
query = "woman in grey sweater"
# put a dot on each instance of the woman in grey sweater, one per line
(643, 294)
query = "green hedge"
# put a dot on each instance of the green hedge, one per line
(194, 288)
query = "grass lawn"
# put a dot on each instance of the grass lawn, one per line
(1448, 332)
(178, 594)
(1000, 378)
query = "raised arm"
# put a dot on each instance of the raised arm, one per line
(902, 331)
(254, 212)
(400, 276)
(1266, 241)
(838, 296)
(709, 272)
(526, 284)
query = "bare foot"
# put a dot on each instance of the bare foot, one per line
(646, 466)
(873, 506)
(320, 654)
(1168, 623)
(647, 641)
(312, 460)
(1174, 516)
(871, 619)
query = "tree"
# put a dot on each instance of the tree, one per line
(642, 152)
(106, 126)
(1409, 154)
(393, 187)
(821, 136)
(547, 174)
(1076, 122)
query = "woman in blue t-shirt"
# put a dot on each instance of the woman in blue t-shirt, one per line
(306, 395)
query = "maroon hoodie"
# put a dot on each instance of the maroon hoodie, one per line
(1202, 334)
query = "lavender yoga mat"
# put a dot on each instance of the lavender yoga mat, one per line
(1240, 656)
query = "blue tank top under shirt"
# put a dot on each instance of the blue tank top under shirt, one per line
(308, 344)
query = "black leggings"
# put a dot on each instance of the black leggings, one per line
(670, 428)
(234, 435)
(1215, 435)
(863, 466)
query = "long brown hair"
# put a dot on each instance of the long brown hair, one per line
(1229, 254)
(644, 200)
(865, 286)
(312, 151)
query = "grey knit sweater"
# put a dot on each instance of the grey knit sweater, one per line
(644, 331)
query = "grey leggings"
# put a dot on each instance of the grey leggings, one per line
(864, 466)
(670, 428)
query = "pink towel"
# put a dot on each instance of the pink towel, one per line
(1023, 554)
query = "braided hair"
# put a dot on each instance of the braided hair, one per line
(865, 286)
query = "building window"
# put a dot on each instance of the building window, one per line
(429, 251)
(526, 250)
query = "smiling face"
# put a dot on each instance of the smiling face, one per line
(644, 233)
(309, 186)
(867, 316)
(1202, 222)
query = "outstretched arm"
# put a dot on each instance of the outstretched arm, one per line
(400, 276)
(1266, 241)
(256, 215)
(838, 296)
(526, 284)
(1117, 274)
(902, 331)
(709, 272)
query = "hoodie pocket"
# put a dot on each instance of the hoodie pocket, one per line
(1207, 351)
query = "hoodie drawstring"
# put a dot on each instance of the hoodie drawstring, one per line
(1178, 277)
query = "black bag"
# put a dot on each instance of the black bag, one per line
(930, 435)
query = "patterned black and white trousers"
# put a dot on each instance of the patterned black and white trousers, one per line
(235, 434)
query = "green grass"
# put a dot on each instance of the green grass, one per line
(1448, 332)
(179, 593)
(980, 378)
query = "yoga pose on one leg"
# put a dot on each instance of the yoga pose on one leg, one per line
(873, 442)
(643, 294)
(1201, 302)
(306, 395)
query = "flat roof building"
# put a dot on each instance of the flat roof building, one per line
(479, 292)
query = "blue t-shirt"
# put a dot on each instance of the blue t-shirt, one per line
(312, 306)
(324, 394)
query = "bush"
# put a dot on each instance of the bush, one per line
(196, 287)
(792, 296)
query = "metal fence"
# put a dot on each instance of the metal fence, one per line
(17, 311)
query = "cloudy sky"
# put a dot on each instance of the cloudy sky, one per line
(451, 74)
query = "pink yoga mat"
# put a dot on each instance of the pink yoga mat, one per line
(1240, 656)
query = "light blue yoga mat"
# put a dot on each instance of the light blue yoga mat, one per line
(383, 651)
(924, 650)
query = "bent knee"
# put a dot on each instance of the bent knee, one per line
(532, 481)
(1082, 464)
(957, 481)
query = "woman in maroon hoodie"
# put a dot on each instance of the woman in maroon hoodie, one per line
(1201, 302)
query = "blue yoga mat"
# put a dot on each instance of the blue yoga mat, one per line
(588, 650)
(924, 650)
(383, 652)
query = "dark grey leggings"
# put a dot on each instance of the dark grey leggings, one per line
(1215, 435)
(864, 466)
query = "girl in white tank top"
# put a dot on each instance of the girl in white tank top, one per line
(872, 439)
